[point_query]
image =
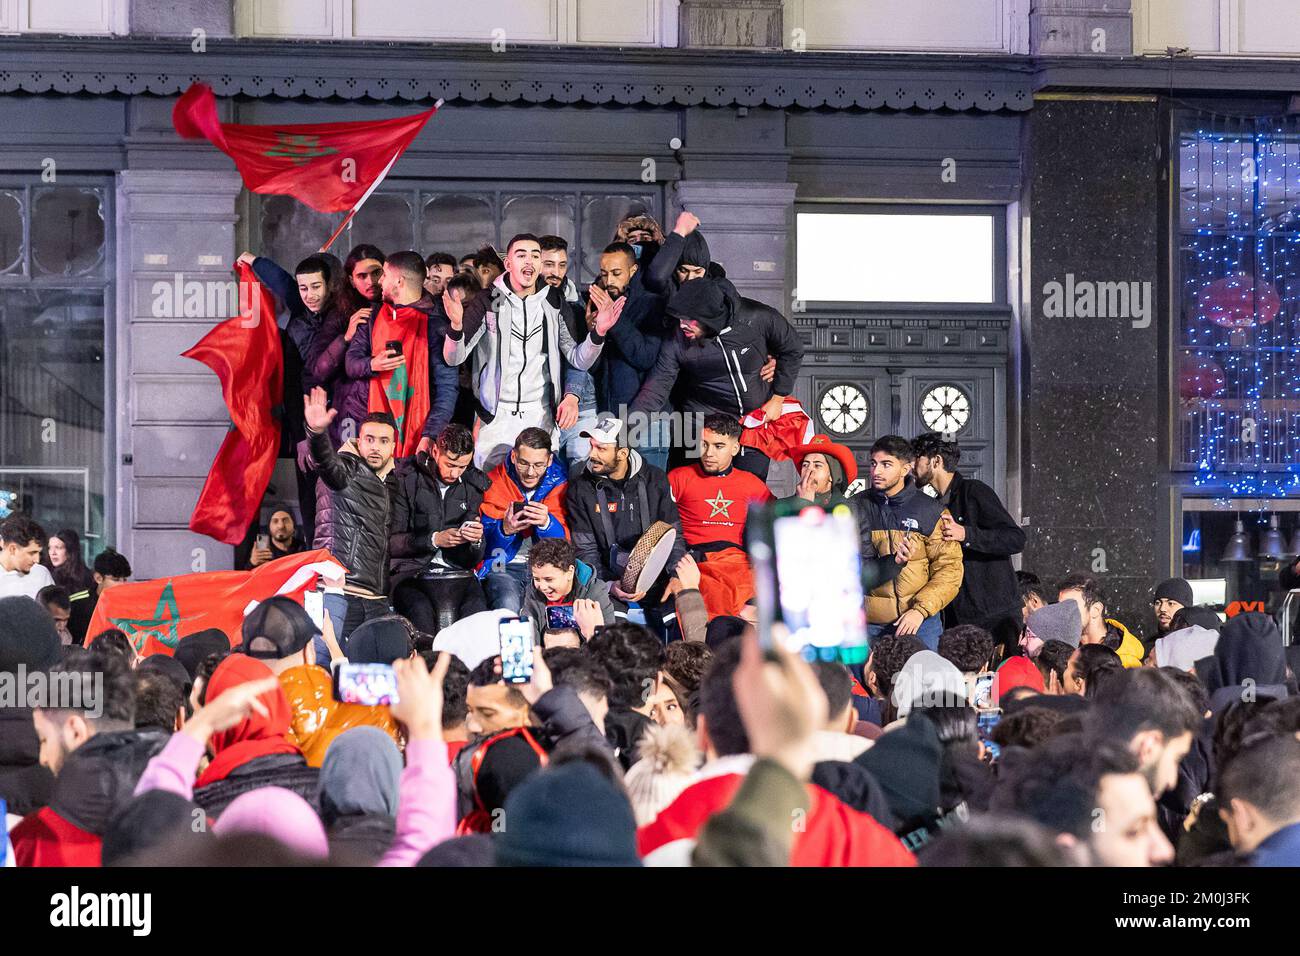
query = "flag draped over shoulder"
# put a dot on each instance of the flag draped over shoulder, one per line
(328, 166)
(245, 353)
(403, 392)
(157, 614)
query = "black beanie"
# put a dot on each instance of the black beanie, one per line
(1175, 589)
(570, 815)
(27, 636)
(702, 300)
(380, 641)
(194, 649)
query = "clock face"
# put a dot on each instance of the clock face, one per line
(945, 408)
(844, 408)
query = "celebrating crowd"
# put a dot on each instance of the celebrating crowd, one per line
(480, 438)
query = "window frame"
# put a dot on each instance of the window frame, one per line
(997, 214)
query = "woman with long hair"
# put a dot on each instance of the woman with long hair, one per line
(63, 558)
(356, 298)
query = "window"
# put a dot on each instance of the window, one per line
(1237, 336)
(897, 256)
(54, 256)
(457, 220)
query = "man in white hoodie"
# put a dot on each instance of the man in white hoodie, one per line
(519, 344)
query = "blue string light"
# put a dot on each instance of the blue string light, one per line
(1239, 359)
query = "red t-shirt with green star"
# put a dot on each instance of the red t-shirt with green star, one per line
(713, 507)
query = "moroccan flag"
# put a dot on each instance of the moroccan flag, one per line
(776, 437)
(157, 614)
(405, 390)
(329, 166)
(245, 353)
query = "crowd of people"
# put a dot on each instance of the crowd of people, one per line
(478, 439)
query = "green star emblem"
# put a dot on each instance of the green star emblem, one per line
(163, 626)
(298, 148)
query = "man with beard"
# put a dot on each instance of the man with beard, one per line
(353, 511)
(282, 539)
(577, 411)
(612, 501)
(1168, 599)
(714, 360)
(401, 348)
(987, 534)
(894, 510)
(439, 268)
(518, 344)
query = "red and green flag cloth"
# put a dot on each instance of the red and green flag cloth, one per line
(329, 166)
(245, 353)
(156, 614)
(404, 391)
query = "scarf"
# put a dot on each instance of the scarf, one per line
(404, 391)
(254, 736)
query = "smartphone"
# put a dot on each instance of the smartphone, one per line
(313, 602)
(517, 507)
(560, 617)
(394, 346)
(372, 685)
(264, 542)
(517, 638)
(808, 577)
(982, 696)
(984, 724)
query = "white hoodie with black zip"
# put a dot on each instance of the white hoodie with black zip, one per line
(518, 350)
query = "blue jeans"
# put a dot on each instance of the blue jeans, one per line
(928, 633)
(573, 447)
(347, 612)
(506, 588)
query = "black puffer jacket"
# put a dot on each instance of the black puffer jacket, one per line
(353, 507)
(99, 777)
(419, 512)
(289, 771)
(720, 372)
(360, 839)
(25, 785)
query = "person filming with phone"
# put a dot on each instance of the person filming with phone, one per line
(436, 536)
(524, 504)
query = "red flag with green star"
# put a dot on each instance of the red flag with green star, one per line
(156, 614)
(329, 166)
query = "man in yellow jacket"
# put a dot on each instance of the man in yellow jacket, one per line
(895, 516)
(1097, 628)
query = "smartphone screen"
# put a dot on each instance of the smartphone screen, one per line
(984, 724)
(394, 346)
(812, 581)
(516, 635)
(371, 685)
(560, 617)
(313, 602)
(982, 698)
(518, 506)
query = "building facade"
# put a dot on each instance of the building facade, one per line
(1056, 228)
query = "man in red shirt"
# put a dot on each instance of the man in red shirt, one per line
(713, 498)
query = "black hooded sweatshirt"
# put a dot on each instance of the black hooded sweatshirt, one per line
(720, 372)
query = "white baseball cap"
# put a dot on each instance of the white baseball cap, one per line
(606, 430)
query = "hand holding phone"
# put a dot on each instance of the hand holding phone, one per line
(517, 639)
(371, 685)
(472, 530)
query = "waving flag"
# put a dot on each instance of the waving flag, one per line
(331, 167)
(157, 614)
(245, 353)
(776, 437)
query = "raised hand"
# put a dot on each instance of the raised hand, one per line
(455, 310)
(687, 223)
(606, 317)
(419, 692)
(314, 412)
